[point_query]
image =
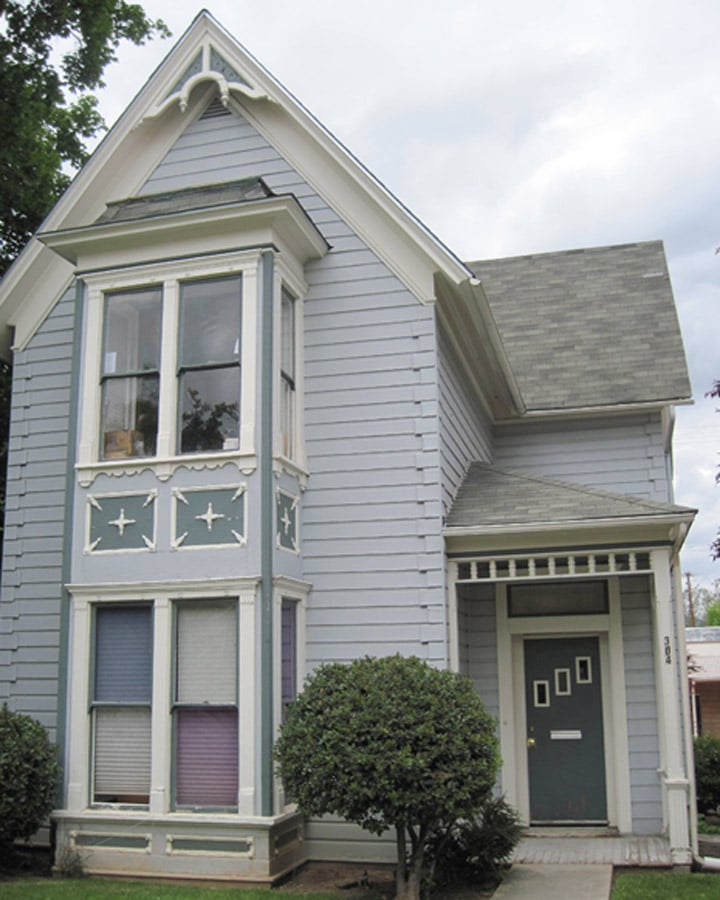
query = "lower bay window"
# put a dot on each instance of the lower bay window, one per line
(164, 695)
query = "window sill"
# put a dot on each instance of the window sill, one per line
(283, 464)
(164, 469)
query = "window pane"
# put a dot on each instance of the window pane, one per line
(132, 332)
(129, 416)
(288, 661)
(122, 755)
(206, 653)
(287, 335)
(123, 654)
(210, 321)
(566, 598)
(207, 757)
(210, 404)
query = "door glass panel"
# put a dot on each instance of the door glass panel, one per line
(541, 693)
(562, 683)
(583, 670)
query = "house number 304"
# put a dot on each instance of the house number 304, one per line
(668, 652)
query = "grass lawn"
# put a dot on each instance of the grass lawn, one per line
(666, 886)
(101, 889)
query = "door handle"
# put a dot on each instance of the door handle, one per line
(531, 743)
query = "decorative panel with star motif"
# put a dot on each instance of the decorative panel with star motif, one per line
(118, 522)
(209, 517)
(286, 506)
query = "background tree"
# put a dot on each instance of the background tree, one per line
(704, 600)
(390, 743)
(53, 53)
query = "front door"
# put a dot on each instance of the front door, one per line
(566, 756)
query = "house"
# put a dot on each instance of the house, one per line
(262, 419)
(703, 647)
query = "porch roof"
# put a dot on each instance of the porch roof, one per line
(496, 498)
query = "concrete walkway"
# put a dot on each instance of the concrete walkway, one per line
(556, 882)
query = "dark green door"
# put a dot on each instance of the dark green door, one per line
(566, 756)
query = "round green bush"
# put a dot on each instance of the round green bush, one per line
(28, 775)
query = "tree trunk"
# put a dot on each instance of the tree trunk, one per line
(408, 874)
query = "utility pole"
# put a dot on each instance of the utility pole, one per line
(691, 605)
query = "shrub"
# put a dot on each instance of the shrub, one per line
(390, 743)
(28, 775)
(707, 772)
(474, 851)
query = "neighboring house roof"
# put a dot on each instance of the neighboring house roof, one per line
(589, 328)
(703, 646)
(495, 498)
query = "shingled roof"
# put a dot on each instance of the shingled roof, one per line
(586, 328)
(492, 497)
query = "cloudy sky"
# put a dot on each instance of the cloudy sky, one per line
(518, 127)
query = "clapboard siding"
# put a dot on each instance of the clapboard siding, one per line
(33, 540)
(465, 431)
(371, 516)
(642, 719)
(624, 454)
(478, 642)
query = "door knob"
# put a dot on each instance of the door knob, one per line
(531, 743)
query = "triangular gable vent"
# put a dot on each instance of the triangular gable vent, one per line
(208, 65)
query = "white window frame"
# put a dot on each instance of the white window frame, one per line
(162, 595)
(295, 464)
(168, 274)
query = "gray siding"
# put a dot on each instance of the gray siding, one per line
(465, 429)
(478, 642)
(642, 721)
(370, 518)
(32, 579)
(623, 454)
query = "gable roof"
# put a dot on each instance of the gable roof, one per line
(496, 498)
(589, 328)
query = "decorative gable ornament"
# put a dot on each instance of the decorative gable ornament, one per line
(207, 66)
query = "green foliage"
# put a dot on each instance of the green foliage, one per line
(387, 743)
(474, 851)
(712, 616)
(28, 775)
(707, 772)
(705, 827)
(45, 116)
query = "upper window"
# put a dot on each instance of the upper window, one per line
(288, 414)
(131, 373)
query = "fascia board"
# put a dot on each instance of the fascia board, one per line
(276, 221)
(666, 527)
(465, 315)
(590, 411)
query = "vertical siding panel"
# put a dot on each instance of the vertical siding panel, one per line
(32, 551)
(642, 719)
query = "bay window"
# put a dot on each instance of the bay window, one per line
(121, 701)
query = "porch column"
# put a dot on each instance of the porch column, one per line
(672, 727)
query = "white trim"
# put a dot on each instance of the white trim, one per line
(151, 497)
(162, 596)
(287, 589)
(177, 495)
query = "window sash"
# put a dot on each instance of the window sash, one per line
(206, 659)
(123, 654)
(122, 757)
(206, 757)
(288, 654)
